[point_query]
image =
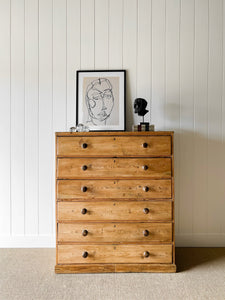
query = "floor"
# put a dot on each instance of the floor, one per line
(29, 274)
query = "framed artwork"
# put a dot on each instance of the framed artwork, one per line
(101, 99)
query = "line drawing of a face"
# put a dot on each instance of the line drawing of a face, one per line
(99, 100)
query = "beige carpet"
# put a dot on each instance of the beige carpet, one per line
(29, 274)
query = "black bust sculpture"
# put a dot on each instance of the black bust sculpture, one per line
(140, 109)
(140, 106)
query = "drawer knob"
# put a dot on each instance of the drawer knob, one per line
(145, 188)
(84, 232)
(145, 167)
(146, 254)
(84, 189)
(84, 211)
(85, 254)
(145, 145)
(84, 168)
(84, 145)
(146, 210)
(146, 232)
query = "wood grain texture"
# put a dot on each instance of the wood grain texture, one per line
(71, 168)
(69, 254)
(182, 48)
(115, 210)
(114, 146)
(115, 133)
(148, 268)
(115, 232)
(81, 268)
(113, 189)
(115, 268)
(56, 207)
(95, 231)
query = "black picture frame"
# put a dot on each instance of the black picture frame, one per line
(88, 112)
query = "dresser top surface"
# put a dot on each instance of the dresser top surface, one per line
(115, 133)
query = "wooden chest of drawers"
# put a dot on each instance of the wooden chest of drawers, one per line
(114, 202)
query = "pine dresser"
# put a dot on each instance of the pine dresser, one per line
(114, 202)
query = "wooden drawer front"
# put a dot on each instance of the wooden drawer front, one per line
(114, 146)
(113, 211)
(92, 168)
(115, 232)
(112, 189)
(69, 254)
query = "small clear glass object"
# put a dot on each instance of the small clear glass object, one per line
(82, 128)
(72, 129)
(79, 128)
(86, 129)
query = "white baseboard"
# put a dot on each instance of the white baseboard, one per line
(200, 240)
(29, 241)
(48, 241)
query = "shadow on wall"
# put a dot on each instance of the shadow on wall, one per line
(199, 164)
(129, 104)
(199, 169)
(188, 258)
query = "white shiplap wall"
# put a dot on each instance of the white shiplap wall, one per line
(174, 54)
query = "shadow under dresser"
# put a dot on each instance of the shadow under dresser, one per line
(114, 202)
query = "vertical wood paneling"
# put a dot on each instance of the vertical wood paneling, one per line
(172, 87)
(130, 14)
(73, 57)
(31, 116)
(158, 63)
(59, 65)
(144, 52)
(17, 117)
(46, 152)
(201, 116)
(223, 118)
(174, 54)
(101, 34)
(186, 114)
(5, 117)
(87, 34)
(215, 116)
(172, 92)
(59, 87)
(115, 34)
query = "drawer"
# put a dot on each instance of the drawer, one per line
(113, 189)
(115, 210)
(115, 232)
(114, 146)
(92, 168)
(69, 254)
